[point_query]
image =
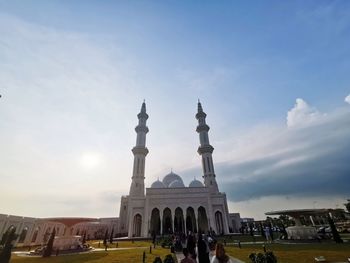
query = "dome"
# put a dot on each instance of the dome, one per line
(176, 184)
(158, 184)
(196, 183)
(169, 178)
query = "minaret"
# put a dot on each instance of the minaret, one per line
(206, 150)
(137, 188)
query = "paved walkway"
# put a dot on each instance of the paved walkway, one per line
(180, 256)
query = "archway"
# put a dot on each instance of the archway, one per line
(137, 225)
(23, 235)
(167, 222)
(202, 220)
(219, 223)
(47, 234)
(179, 221)
(155, 221)
(191, 220)
(35, 234)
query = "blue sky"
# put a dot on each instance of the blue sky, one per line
(272, 77)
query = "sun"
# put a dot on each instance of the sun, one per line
(90, 160)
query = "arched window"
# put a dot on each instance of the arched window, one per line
(137, 225)
(219, 222)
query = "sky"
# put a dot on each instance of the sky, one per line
(272, 76)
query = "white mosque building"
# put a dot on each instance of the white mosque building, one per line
(168, 206)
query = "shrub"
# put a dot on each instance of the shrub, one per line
(166, 243)
(157, 260)
(268, 257)
(169, 259)
(5, 252)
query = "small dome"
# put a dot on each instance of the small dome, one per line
(196, 183)
(176, 184)
(158, 184)
(169, 178)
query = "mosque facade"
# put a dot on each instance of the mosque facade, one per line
(168, 206)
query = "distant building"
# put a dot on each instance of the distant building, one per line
(36, 231)
(234, 222)
(247, 220)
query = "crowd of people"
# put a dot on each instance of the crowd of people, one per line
(197, 248)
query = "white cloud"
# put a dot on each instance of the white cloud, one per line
(347, 99)
(301, 114)
(311, 161)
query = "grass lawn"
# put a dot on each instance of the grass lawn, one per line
(121, 244)
(285, 253)
(295, 253)
(133, 255)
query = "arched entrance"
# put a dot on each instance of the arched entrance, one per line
(191, 220)
(167, 222)
(137, 225)
(179, 226)
(202, 220)
(219, 223)
(155, 221)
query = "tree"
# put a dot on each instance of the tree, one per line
(335, 233)
(111, 236)
(84, 238)
(49, 246)
(105, 238)
(8, 237)
(347, 205)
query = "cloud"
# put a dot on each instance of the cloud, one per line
(347, 99)
(301, 114)
(308, 161)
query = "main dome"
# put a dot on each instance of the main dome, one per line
(176, 184)
(171, 177)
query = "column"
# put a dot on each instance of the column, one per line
(161, 222)
(196, 218)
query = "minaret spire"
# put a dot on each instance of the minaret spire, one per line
(140, 151)
(206, 150)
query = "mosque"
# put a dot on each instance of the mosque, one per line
(168, 206)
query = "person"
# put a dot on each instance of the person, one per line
(191, 245)
(203, 250)
(220, 255)
(187, 258)
(267, 233)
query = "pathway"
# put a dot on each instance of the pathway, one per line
(180, 256)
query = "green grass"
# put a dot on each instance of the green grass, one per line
(242, 238)
(133, 255)
(121, 244)
(285, 253)
(295, 253)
